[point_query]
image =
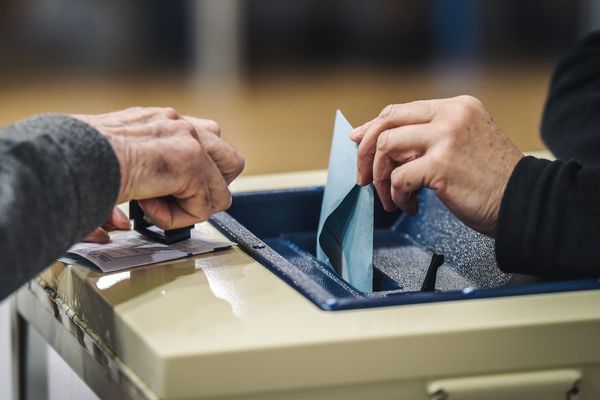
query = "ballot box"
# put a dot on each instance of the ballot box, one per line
(266, 320)
(430, 257)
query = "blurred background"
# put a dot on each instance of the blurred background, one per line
(273, 72)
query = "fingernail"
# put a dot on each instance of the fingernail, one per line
(121, 219)
(98, 236)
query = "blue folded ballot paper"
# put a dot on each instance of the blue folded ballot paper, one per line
(345, 236)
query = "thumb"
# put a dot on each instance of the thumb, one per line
(99, 235)
(118, 219)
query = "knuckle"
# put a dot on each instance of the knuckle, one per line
(469, 106)
(240, 162)
(213, 127)
(470, 101)
(182, 126)
(464, 110)
(135, 110)
(387, 111)
(169, 113)
(396, 179)
(225, 202)
(383, 142)
(402, 183)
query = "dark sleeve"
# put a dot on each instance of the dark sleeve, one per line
(59, 179)
(549, 221)
(571, 119)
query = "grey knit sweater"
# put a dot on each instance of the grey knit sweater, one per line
(59, 179)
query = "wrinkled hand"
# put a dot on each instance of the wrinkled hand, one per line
(178, 167)
(451, 146)
(116, 220)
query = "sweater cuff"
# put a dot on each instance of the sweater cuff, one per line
(92, 164)
(515, 231)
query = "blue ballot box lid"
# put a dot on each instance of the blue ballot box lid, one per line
(279, 230)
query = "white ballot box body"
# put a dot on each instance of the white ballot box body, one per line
(222, 326)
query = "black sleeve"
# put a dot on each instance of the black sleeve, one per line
(59, 179)
(571, 119)
(549, 221)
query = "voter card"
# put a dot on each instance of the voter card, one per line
(129, 249)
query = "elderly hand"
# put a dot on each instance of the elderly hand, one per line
(450, 145)
(178, 167)
(116, 220)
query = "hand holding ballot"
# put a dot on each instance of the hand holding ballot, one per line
(178, 167)
(450, 145)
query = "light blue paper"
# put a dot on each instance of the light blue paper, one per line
(345, 236)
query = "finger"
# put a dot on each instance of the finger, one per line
(225, 156)
(99, 235)
(166, 213)
(209, 196)
(219, 195)
(417, 112)
(383, 188)
(205, 124)
(396, 147)
(408, 202)
(227, 159)
(117, 220)
(408, 179)
(357, 134)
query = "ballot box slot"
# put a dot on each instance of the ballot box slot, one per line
(299, 249)
(278, 229)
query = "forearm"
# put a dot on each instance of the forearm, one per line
(59, 179)
(571, 121)
(549, 220)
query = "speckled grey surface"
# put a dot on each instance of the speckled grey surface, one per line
(470, 259)
(408, 264)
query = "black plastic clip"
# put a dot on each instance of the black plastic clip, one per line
(148, 229)
(429, 282)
